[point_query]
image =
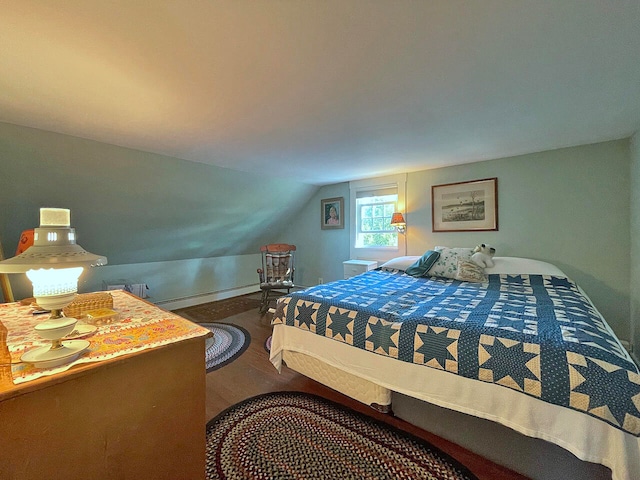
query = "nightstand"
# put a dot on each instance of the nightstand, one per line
(356, 267)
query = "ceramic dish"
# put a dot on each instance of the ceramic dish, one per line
(81, 330)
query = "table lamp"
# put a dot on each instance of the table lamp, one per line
(53, 264)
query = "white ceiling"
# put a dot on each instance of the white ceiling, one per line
(324, 90)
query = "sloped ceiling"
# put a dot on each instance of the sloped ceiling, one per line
(330, 90)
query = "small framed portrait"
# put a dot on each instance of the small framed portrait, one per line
(465, 206)
(332, 213)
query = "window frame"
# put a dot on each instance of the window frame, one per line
(381, 254)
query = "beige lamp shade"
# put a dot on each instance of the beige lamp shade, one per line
(397, 220)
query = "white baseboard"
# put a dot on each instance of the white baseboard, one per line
(206, 297)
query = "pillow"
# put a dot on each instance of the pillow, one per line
(514, 265)
(470, 272)
(424, 263)
(400, 263)
(447, 264)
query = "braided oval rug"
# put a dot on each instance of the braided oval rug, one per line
(289, 435)
(228, 343)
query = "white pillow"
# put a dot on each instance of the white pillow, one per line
(400, 263)
(447, 264)
(514, 265)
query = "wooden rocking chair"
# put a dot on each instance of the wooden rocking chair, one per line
(276, 274)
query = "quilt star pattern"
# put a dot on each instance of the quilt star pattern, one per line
(537, 334)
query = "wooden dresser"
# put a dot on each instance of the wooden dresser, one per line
(136, 416)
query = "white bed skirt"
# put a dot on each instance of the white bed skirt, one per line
(357, 388)
(586, 437)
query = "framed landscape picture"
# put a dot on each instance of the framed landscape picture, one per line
(332, 213)
(465, 206)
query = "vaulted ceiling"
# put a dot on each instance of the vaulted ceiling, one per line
(328, 90)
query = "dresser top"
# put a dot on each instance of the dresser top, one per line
(360, 262)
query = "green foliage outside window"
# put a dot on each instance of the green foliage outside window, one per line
(374, 217)
(380, 239)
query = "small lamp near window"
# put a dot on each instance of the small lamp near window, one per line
(53, 264)
(397, 220)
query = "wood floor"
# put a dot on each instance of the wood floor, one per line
(252, 374)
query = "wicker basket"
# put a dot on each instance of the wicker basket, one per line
(85, 302)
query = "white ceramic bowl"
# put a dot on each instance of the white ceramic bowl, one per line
(56, 328)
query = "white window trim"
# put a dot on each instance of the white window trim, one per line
(385, 253)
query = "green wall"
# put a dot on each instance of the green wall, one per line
(320, 252)
(570, 207)
(190, 230)
(184, 228)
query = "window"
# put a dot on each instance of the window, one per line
(373, 217)
(372, 203)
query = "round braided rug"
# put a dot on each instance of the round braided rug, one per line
(289, 435)
(228, 343)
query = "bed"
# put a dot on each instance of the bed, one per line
(523, 350)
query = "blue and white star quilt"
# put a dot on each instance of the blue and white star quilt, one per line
(537, 334)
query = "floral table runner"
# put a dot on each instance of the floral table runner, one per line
(141, 326)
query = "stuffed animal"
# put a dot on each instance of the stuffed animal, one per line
(483, 255)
